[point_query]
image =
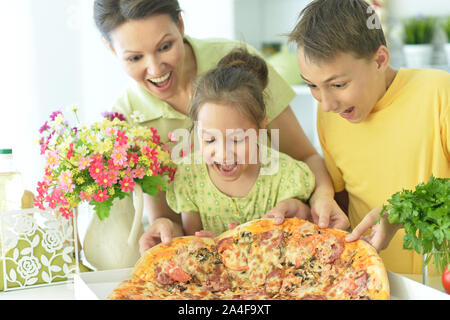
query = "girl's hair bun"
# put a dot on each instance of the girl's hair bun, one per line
(241, 58)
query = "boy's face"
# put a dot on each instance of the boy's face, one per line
(345, 85)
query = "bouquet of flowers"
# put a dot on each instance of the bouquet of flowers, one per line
(99, 163)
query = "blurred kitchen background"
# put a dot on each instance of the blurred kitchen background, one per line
(52, 57)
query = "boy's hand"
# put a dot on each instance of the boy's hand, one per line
(382, 232)
(326, 213)
(288, 208)
(162, 230)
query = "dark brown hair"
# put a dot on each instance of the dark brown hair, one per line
(328, 27)
(239, 80)
(110, 14)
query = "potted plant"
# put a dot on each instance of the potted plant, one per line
(108, 165)
(446, 27)
(424, 214)
(418, 35)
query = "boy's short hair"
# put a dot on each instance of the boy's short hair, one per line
(328, 27)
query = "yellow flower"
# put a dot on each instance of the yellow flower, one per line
(80, 180)
(111, 191)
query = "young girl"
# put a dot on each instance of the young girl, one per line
(230, 184)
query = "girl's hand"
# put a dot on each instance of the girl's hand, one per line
(162, 230)
(326, 213)
(288, 208)
(382, 232)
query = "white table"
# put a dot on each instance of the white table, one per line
(64, 291)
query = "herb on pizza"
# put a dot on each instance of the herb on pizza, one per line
(425, 215)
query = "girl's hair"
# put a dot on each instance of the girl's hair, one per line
(238, 80)
(110, 14)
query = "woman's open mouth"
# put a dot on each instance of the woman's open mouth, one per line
(348, 113)
(226, 170)
(163, 82)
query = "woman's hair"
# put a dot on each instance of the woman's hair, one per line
(110, 14)
(328, 27)
(238, 80)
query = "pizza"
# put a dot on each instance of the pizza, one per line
(259, 260)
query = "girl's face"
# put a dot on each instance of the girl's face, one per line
(228, 140)
(151, 51)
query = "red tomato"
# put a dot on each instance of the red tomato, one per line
(446, 278)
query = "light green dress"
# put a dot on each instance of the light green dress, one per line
(192, 191)
(139, 106)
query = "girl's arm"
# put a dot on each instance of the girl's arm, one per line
(293, 141)
(164, 223)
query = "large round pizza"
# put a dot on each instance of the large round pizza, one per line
(259, 260)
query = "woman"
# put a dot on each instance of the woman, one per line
(147, 36)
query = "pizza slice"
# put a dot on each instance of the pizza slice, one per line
(253, 254)
(187, 260)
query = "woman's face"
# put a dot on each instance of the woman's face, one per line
(228, 140)
(151, 51)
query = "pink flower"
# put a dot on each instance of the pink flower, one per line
(66, 212)
(65, 181)
(84, 162)
(101, 195)
(127, 184)
(55, 114)
(172, 137)
(107, 178)
(119, 156)
(121, 139)
(96, 168)
(139, 172)
(52, 159)
(59, 198)
(156, 138)
(39, 202)
(70, 151)
(85, 196)
(44, 127)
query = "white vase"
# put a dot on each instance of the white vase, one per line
(447, 50)
(418, 55)
(114, 242)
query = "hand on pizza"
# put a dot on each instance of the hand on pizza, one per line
(260, 260)
(288, 208)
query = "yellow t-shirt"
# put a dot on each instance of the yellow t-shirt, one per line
(404, 140)
(192, 191)
(160, 115)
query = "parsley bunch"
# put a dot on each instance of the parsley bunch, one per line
(425, 215)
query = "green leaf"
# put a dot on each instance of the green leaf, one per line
(102, 209)
(152, 184)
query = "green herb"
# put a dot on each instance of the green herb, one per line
(425, 215)
(419, 30)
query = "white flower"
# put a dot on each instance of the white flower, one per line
(72, 108)
(81, 150)
(137, 116)
(52, 240)
(28, 267)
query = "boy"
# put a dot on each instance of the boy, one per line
(381, 130)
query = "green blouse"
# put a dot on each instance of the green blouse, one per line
(156, 113)
(192, 191)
